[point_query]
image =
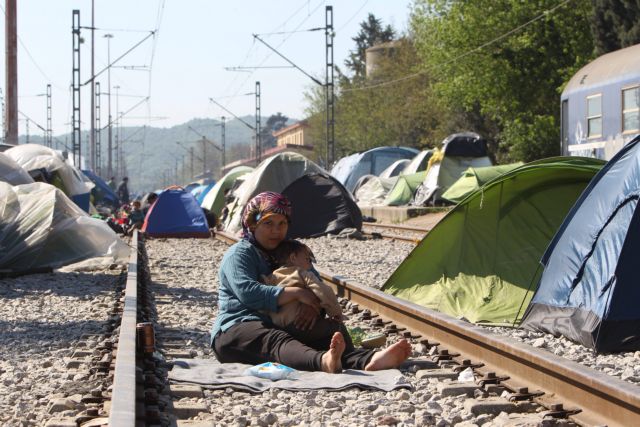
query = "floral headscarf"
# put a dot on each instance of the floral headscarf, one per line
(260, 208)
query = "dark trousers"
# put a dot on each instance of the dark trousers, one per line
(256, 342)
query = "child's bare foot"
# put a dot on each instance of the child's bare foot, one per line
(331, 362)
(391, 357)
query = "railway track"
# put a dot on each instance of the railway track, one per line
(394, 232)
(567, 390)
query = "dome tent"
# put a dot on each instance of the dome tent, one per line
(321, 205)
(588, 290)
(176, 213)
(272, 174)
(40, 160)
(459, 152)
(481, 259)
(349, 169)
(214, 199)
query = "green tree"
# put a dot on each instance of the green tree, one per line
(274, 123)
(502, 64)
(615, 24)
(371, 33)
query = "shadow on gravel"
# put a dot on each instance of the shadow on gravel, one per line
(77, 284)
(46, 335)
(181, 293)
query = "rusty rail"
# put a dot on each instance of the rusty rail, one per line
(604, 400)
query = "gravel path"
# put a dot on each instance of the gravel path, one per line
(44, 317)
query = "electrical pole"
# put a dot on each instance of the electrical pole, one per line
(27, 131)
(49, 130)
(204, 157)
(110, 134)
(224, 160)
(117, 144)
(258, 141)
(329, 88)
(92, 131)
(11, 73)
(75, 122)
(191, 155)
(98, 132)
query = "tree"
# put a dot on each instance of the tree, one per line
(371, 33)
(504, 62)
(615, 24)
(275, 122)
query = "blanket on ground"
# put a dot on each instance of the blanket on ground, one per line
(212, 374)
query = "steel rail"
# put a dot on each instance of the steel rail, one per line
(397, 227)
(604, 400)
(123, 398)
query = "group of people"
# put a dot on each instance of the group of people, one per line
(273, 306)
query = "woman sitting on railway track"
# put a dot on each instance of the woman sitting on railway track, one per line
(243, 333)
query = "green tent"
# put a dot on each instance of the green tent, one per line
(481, 259)
(404, 188)
(474, 178)
(214, 200)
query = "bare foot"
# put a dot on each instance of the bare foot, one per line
(390, 357)
(331, 362)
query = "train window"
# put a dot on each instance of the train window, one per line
(594, 115)
(631, 109)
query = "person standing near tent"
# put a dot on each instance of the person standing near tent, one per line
(243, 333)
(112, 183)
(123, 191)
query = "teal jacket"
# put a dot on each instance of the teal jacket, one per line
(240, 294)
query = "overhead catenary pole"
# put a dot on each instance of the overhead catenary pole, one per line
(258, 138)
(109, 131)
(191, 163)
(98, 132)
(117, 144)
(92, 131)
(223, 137)
(49, 136)
(76, 139)
(329, 87)
(204, 157)
(11, 73)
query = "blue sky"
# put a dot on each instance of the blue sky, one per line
(196, 40)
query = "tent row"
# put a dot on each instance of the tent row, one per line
(548, 245)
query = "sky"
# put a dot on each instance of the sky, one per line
(184, 63)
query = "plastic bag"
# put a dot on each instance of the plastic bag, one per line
(271, 371)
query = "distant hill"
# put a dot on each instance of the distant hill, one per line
(151, 153)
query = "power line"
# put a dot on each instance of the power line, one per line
(462, 55)
(352, 16)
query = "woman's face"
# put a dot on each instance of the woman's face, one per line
(270, 232)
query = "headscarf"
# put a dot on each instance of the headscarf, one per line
(260, 208)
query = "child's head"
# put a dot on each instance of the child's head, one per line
(135, 204)
(292, 253)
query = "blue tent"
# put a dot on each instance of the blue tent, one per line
(349, 169)
(176, 213)
(200, 191)
(588, 291)
(102, 193)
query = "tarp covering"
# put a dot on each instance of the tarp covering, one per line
(320, 205)
(61, 173)
(404, 189)
(588, 291)
(474, 178)
(12, 173)
(481, 259)
(273, 174)
(102, 194)
(372, 162)
(200, 195)
(214, 199)
(40, 228)
(375, 190)
(176, 213)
